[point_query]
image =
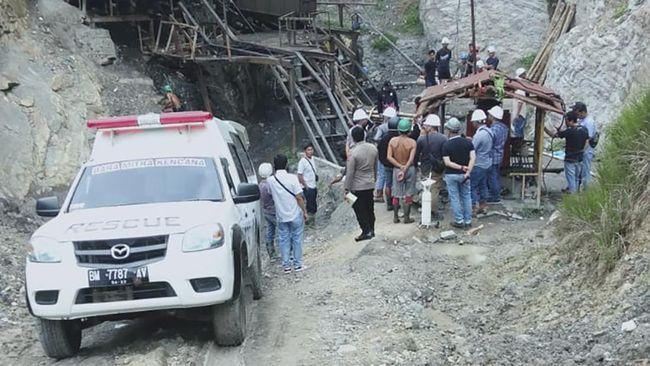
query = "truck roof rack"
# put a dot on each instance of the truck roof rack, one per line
(150, 120)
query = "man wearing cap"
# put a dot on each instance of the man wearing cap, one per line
(359, 118)
(459, 157)
(482, 141)
(429, 155)
(588, 123)
(377, 135)
(430, 69)
(401, 154)
(577, 139)
(492, 62)
(499, 138)
(387, 165)
(268, 207)
(443, 58)
(360, 180)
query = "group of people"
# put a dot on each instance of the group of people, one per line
(437, 68)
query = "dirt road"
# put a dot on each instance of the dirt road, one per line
(405, 298)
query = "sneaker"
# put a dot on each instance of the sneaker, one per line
(287, 270)
(458, 225)
(467, 225)
(300, 269)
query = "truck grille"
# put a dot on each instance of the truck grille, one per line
(97, 253)
(150, 290)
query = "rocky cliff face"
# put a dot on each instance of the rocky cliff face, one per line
(604, 58)
(515, 28)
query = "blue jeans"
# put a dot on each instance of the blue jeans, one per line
(460, 197)
(290, 241)
(388, 177)
(585, 177)
(573, 172)
(381, 176)
(494, 183)
(478, 180)
(271, 224)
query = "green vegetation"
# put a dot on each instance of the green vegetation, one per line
(380, 44)
(620, 10)
(527, 61)
(602, 218)
(412, 23)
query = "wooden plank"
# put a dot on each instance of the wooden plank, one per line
(224, 27)
(538, 151)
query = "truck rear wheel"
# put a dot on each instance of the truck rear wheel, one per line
(229, 319)
(60, 338)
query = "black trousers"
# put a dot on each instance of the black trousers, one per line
(364, 209)
(311, 198)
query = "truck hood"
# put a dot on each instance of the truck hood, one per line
(130, 221)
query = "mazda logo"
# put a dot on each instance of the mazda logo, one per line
(120, 251)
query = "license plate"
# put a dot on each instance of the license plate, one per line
(117, 276)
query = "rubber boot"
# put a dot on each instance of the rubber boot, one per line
(389, 199)
(407, 214)
(396, 214)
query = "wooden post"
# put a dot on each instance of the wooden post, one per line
(539, 150)
(473, 35)
(341, 15)
(204, 89)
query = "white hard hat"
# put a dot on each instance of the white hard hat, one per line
(445, 40)
(496, 112)
(265, 170)
(478, 116)
(520, 71)
(491, 49)
(432, 120)
(480, 64)
(359, 115)
(389, 112)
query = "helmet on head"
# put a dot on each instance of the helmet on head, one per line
(359, 115)
(480, 64)
(464, 56)
(432, 120)
(520, 71)
(491, 49)
(392, 123)
(445, 40)
(404, 125)
(389, 112)
(479, 116)
(167, 88)
(265, 170)
(453, 125)
(496, 112)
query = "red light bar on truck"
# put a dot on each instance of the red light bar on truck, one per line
(150, 119)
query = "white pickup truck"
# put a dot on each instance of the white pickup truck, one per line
(165, 216)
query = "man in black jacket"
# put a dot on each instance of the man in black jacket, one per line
(383, 158)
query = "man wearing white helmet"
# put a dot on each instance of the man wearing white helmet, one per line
(382, 129)
(492, 62)
(268, 207)
(480, 66)
(428, 153)
(377, 135)
(359, 118)
(499, 137)
(482, 141)
(443, 58)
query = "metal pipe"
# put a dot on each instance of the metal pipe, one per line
(471, 4)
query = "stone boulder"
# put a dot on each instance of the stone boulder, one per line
(604, 58)
(515, 28)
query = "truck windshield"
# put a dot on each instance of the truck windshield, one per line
(141, 181)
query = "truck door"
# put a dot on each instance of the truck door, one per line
(249, 213)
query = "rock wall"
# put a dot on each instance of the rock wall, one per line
(515, 27)
(604, 58)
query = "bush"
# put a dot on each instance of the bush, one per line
(616, 204)
(527, 61)
(412, 23)
(380, 44)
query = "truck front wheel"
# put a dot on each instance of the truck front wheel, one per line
(229, 319)
(60, 338)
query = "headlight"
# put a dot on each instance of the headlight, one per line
(43, 250)
(203, 237)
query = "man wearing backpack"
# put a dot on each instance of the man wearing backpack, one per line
(290, 212)
(429, 155)
(588, 123)
(308, 178)
(482, 141)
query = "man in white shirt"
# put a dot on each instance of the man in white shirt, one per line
(308, 178)
(290, 212)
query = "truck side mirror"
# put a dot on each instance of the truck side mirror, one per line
(247, 192)
(48, 206)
